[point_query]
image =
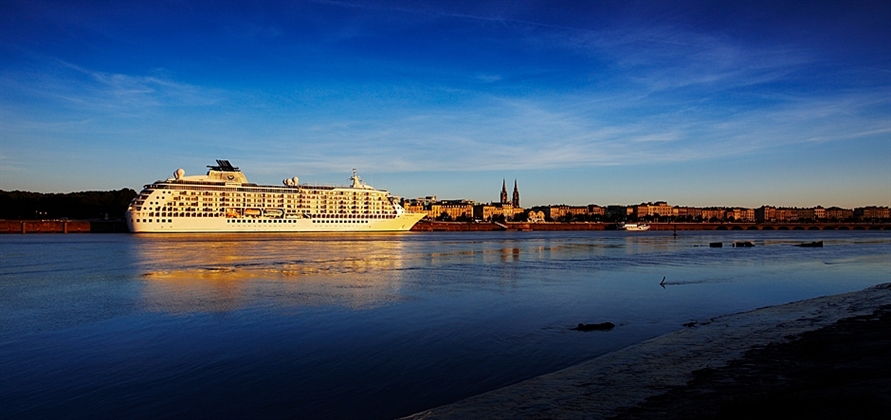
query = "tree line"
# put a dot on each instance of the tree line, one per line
(82, 205)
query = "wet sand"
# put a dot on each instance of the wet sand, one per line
(828, 357)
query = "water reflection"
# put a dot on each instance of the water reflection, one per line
(190, 273)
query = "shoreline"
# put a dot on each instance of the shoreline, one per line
(615, 383)
(120, 226)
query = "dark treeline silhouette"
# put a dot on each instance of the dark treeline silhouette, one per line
(77, 205)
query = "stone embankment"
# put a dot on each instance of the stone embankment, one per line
(614, 383)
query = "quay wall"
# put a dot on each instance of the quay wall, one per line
(526, 226)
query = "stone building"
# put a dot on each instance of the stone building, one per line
(839, 213)
(873, 212)
(455, 209)
(659, 208)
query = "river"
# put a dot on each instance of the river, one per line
(366, 326)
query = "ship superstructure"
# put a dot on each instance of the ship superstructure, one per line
(224, 201)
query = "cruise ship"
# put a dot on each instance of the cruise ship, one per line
(224, 201)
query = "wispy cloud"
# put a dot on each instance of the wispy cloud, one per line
(70, 85)
(494, 132)
(561, 133)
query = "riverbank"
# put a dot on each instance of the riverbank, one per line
(739, 363)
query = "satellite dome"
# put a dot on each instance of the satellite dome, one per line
(295, 180)
(178, 174)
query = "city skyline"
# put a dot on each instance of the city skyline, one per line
(513, 201)
(734, 104)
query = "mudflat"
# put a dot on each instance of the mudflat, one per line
(839, 371)
(826, 357)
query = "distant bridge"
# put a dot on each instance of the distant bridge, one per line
(771, 226)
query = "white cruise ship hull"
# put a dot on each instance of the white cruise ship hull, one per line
(403, 222)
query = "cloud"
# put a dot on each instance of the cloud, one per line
(566, 132)
(72, 86)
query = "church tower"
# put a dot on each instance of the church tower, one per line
(516, 200)
(504, 199)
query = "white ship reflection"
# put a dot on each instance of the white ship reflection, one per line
(191, 273)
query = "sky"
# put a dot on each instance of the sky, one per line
(698, 103)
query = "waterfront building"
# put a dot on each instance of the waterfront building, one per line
(691, 212)
(659, 208)
(536, 216)
(872, 212)
(620, 211)
(792, 214)
(594, 209)
(713, 212)
(434, 209)
(562, 210)
(766, 214)
(839, 213)
(494, 210)
(454, 209)
(740, 214)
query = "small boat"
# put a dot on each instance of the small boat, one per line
(715, 245)
(634, 227)
(252, 212)
(815, 244)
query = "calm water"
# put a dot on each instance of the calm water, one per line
(365, 326)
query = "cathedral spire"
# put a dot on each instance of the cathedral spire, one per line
(516, 200)
(504, 199)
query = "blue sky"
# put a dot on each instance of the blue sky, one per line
(695, 103)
